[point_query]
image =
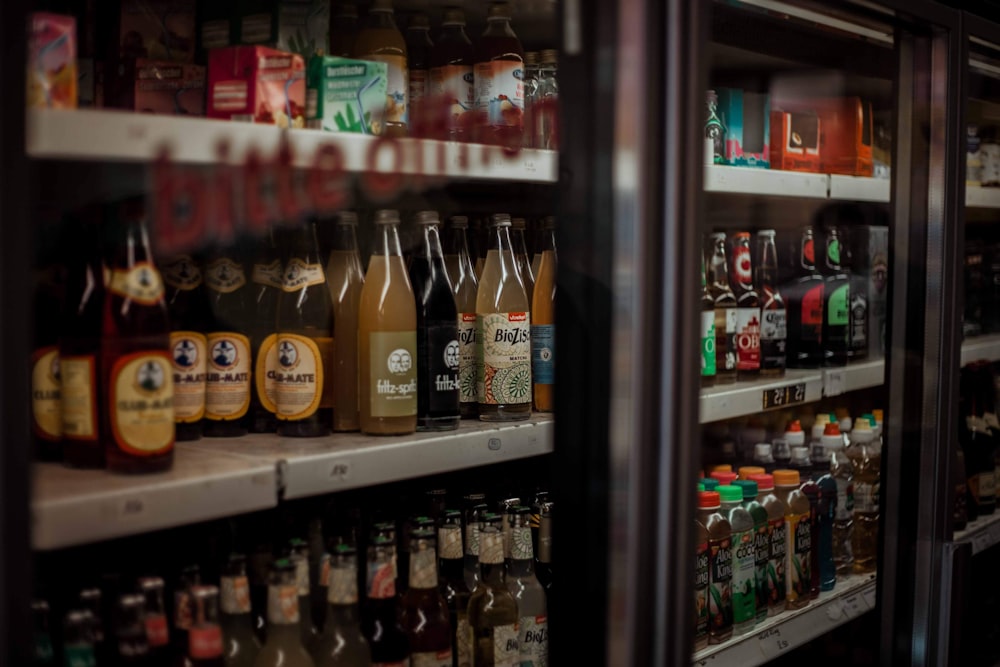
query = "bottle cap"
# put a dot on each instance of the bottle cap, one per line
(845, 424)
(722, 467)
(765, 232)
(500, 220)
(518, 223)
(709, 500)
(426, 218)
(717, 236)
(749, 488)
(746, 471)
(420, 21)
(459, 222)
(499, 10)
(550, 57)
(730, 494)
(742, 235)
(765, 482)
(453, 16)
(800, 455)
(724, 477)
(878, 416)
(862, 431)
(701, 487)
(530, 57)
(386, 217)
(347, 218)
(762, 450)
(794, 435)
(870, 417)
(709, 483)
(786, 477)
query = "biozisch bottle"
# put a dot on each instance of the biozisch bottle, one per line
(533, 630)
(345, 279)
(462, 274)
(493, 614)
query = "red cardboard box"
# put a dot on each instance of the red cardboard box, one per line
(157, 86)
(846, 139)
(795, 141)
(257, 84)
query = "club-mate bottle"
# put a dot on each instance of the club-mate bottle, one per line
(464, 283)
(345, 278)
(190, 320)
(266, 278)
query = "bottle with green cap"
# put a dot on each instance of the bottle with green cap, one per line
(719, 603)
(493, 615)
(775, 509)
(761, 543)
(744, 559)
(284, 641)
(710, 483)
(798, 546)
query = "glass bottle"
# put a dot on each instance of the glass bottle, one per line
(858, 286)
(299, 555)
(518, 243)
(437, 332)
(190, 320)
(545, 106)
(725, 309)
(284, 641)
(493, 613)
(345, 279)
(342, 644)
(205, 646)
(499, 89)
(131, 646)
(79, 352)
(387, 337)
(837, 304)
(266, 277)
(46, 408)
(424, 612)
(189, 577)
(380, 622)
(235, 618)
(503, 332)
(543, 567)
(304, 344)
(478, 245)
(747, 310)
(453, 587)
(475, 508)
(452, 79)
(260, 563)
(715, 132)
(804, 300)
(543, 322)
(343, 29)
(773, 326)
(707, 332)
(229, 365)
(136, 367)
(533, 632)
(418, 62)
(462, 275)
(530, 98)
(78, 639)
(381, 41)
(44, 653)
(155, 620)
(90, 601)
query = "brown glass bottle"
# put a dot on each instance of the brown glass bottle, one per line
(131, 646)
(380, 620)
(266, 279)
(747, 309)
(230, 362)
(46, 408)
(304, 345)
(725, 309)
(235, 619)
(155, 620)
(425, 614)
(136, 372)
(453, 587)
(205, 645)
(499, 88)
(343, 29)
(707, 329)
(79, 351)
(418, 62)
(190, 319)
(452, 79)
(381, 41)
(345, 279)
(773, 320)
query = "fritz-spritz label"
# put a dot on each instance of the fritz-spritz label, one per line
(142, 284)
(393, 368)
(228, 376)
(298, 377)
(224, 275)
(189, 360)
(45, 393)
(142, 410)
(504, 373)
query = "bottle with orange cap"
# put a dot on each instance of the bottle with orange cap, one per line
(720, 567)
(798, 545)
(744, 472)
(775, 508)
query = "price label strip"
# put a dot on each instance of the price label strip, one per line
(783, 396)
(773, 643)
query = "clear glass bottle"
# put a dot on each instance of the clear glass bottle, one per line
(530, 95)
(155, 620)
(345, 278)
(452, 584)
(380, 622)
(78, 639)
(424, 612)
(533, 631)
(493, 612)
(284, 640)
(236, 620)
(520, 246)
(341, 643)
(464, 283)
(205, 645)
(130, 644)
(545, 106)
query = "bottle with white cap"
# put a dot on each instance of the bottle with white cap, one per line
(816, 453)
(762, 456)
(801, 462)
(842, 472)
(866, 460)
(781, 448)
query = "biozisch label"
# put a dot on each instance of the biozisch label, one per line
(504, 375)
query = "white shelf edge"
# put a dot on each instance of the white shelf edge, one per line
(747, 180)
(87, 134)
(854, 376)
(980, 197)
(982, 533)
(859, 188)
(850, 598)
(747, 398)
(981, 347)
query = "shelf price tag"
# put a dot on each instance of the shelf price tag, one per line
(773, 644)
(854, 605)
(869, 594)
(834, 382)
(782, 396)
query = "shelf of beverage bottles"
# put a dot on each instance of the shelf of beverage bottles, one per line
(796, 387)
(980, 197)
(213, 478)
(982, 533)
(778, 183)
(981, 348)
(852, 596)
(135, 137)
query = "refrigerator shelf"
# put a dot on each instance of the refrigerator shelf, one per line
(982, 533)
(778, 183)
(852, 596)
(119, 136)
(213, 478)
(980, 197)
(981, 347)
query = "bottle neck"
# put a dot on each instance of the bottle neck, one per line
(306, 246)
(500, 238)
(430, 248)
(345, 238)
(522, 568)
(492, 573)
(387, 241)
(545, 540)
(498, 26)
(341, 615)
(382, 19)
(453, 569)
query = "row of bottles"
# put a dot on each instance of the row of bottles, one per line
(977, 448)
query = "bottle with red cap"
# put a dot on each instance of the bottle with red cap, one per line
(725, 478)
(798, 544)
(744, 472)
(775, 508)
(720, 567)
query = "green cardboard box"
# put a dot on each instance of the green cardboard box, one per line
(345, 95)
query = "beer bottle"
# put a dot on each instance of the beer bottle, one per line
(227, 391)
(453, 587)
(190, 317)
(78, 639)
(205, 646)
(773, 328)
(424, 612)
(836, 310)
(520, 246)
(493, 613)
(261, 561)
(505, 510)
(725, 309)
(475, 509)
(235, 619)
(46, 407)
(437, 332)
(90, 602)
(131, 645)
(266, 278)
(380, 622)
(462, 274)
(299, 556)
(341, 643)
(804, 299)
(533, 633)
(387, 337)
(747, 310)
(544, 563)
(345, 278)
(707, 332)
(79, 351)
(284, 640)
(155, 620)
(304, 344)
(190, 576)
(137, 375)
(852, 252)
(543, 321)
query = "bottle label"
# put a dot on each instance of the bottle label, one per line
(812, 314)
(431, 658)
(282, 605)
(708, 343)
(543, 347)
(776, 568)
(491, 548)
(205, 642)
(859, 320)
(298, 275)
(720, 579)
(450, 543)
(503, 377)
(141, 284)
(182, 273)
(142, 411)
(701, 590)
(268, 274)
(182, 610)
(866, 494)
(393, 373)
(397, 108)
(423, 569)
(79, 397)
(302, 575)
(298, 377)
(505, 647)
(467, 358)
(725, 339)
(418, 85)
(455, 84)
(534, 641)
(500, 92)
(157, 633)
(227, 391)
(472, 539)
(46, 404)
(762, 559)
(845, 499)
(234, 595)
(343, 586)
(987, 485)
(381, 580)
(441, 360)
(747, 339)
(79, 656)
(463, 640)
(837, 311)
(188, 349)
(520, 543)
(773, 325)
(744, 576)
(266, 373)
(799, 577)
(224, 275)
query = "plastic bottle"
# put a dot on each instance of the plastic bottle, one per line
(380, 40)
(701, 581)
(801, 462)
(866, 462)
(816, 453)
(825, 518)
(842, 472)
(830, 440)
(761, 544)
(812, 492)
(710, 484)
(720, 567)
(798, 544)
(725, 478)
(744, 563)
(776, 511)
(499, 89)
(762, 456)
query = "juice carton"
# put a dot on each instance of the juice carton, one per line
(157, 86)
(157, 29)
(795, 141)
(746, 117)
(344, 95)
(257, 84)
(296, 26)
(52, 79)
